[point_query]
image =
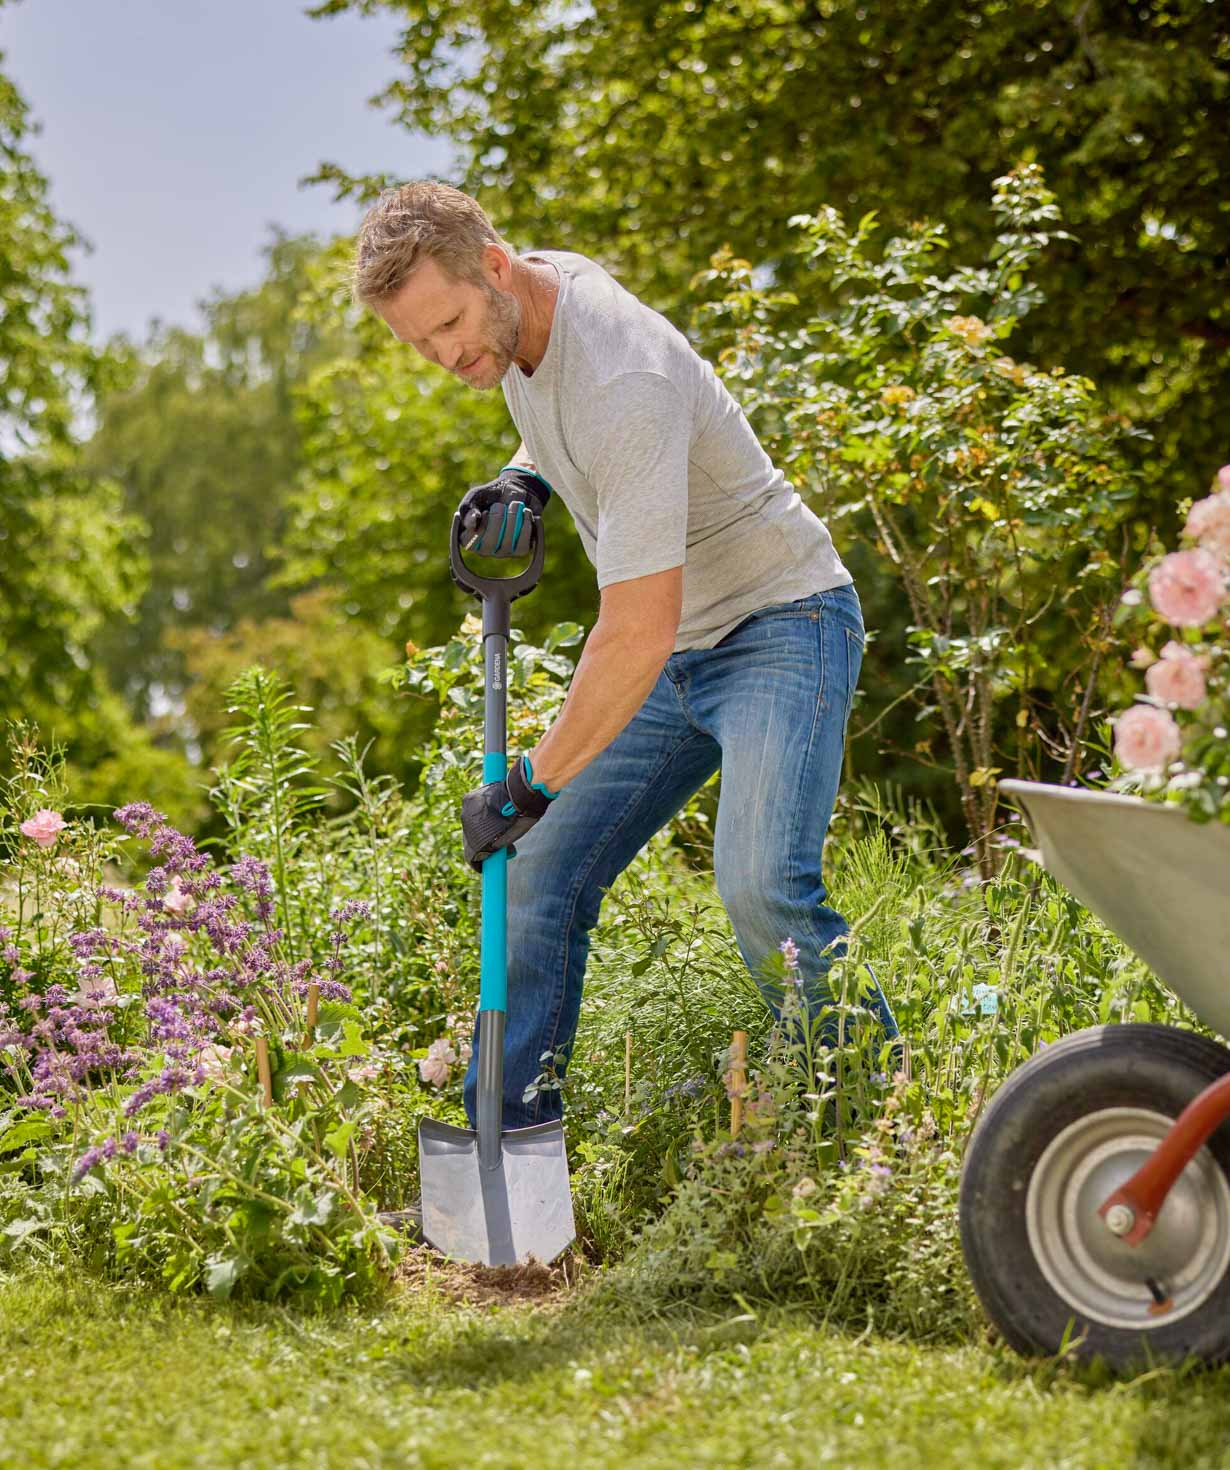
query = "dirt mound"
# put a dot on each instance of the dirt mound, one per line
(488, 1285)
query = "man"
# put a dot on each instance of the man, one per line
(729, 633)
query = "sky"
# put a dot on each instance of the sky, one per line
(175, 133)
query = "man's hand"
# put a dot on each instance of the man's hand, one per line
(496, 814)
(493, 516)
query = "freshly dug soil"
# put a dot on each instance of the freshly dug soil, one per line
(488, 1285)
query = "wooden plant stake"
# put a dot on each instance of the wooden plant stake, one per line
(738, 1079)
(627, 1074)
(263, 1072)
(313, 1006)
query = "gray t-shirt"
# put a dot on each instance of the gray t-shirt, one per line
(658, 464)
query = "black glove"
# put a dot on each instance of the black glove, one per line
(495, 815)
(493, 517)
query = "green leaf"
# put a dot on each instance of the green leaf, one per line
(295, 1072)
(312, 1209)
(19, 1161)
(354, 1044)
(563, 635)
(29, 1131)
(19, 1229)
(222, 1273)
(337, 1140)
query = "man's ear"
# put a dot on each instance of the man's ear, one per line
(497, 267)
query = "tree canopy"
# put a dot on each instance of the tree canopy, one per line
(651, 135)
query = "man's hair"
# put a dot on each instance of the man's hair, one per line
(417, 222)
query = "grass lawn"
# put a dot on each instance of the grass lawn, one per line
(99, 1377)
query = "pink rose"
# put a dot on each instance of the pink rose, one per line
(213, 1059)
(175, 898)
(44, 826)
(1146, 739)
(1187, 588)
(363, 1072)
(434, 1070)
(1178, 677)
(1208, 522)
(434, 1067)
(1223, 477)
(1142, 658)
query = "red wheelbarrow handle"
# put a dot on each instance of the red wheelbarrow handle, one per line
(1132, 1210)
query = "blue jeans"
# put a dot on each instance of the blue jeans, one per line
(769, 705)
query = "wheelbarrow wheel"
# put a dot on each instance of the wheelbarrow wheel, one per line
(1066, 1130)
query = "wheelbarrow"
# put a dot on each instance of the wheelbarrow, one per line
(1095, 1193)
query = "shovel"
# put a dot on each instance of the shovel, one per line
(492, 1196)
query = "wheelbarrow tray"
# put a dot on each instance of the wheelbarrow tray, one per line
(1158, 879)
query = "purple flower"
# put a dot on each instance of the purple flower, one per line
(138, 817)
(86, 1162)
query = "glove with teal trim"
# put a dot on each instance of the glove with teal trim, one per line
(494, 521)
(496, 814)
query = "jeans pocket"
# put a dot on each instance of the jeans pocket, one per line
(798, 607)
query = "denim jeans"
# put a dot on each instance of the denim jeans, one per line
(768, 704)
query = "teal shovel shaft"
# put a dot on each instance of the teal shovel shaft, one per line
(493, 951)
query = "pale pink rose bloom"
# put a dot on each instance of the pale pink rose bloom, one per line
(1187, 588)
(1208, 522)
(175, 898)
(213, 1059)
(1146, 739)
(1178, 677)
(96, 990)
(1142, 658)
(44, 826)
(1223, 477)
(364, 1072)
(434, 1070)
(434, 1067)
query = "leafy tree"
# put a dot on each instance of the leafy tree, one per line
(332, 664)
(200, 431)
(651, 135)
(70, 554)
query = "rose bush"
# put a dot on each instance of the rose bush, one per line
(1171, 745)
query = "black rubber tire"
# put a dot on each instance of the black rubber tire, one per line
(1155, 1067)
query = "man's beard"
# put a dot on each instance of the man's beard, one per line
(501, 331)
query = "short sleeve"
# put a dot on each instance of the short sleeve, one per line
(638, 468)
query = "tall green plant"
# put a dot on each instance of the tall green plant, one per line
(268, 791)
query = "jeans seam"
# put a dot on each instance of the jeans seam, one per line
(560, 958)
(817, 707)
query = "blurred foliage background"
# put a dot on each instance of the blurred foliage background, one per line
(277, 486)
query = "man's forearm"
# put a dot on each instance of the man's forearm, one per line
(612, 680)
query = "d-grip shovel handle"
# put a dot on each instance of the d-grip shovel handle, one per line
(498, 590)
(496, 593)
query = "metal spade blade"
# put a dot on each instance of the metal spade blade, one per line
(499, 1215)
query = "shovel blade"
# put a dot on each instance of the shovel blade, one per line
(497, 1216)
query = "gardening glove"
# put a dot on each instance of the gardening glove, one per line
(493, 518)
(496, 814)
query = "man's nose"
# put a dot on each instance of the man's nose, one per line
(452, 355)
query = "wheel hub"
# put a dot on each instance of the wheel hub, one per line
(1172, 1271)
